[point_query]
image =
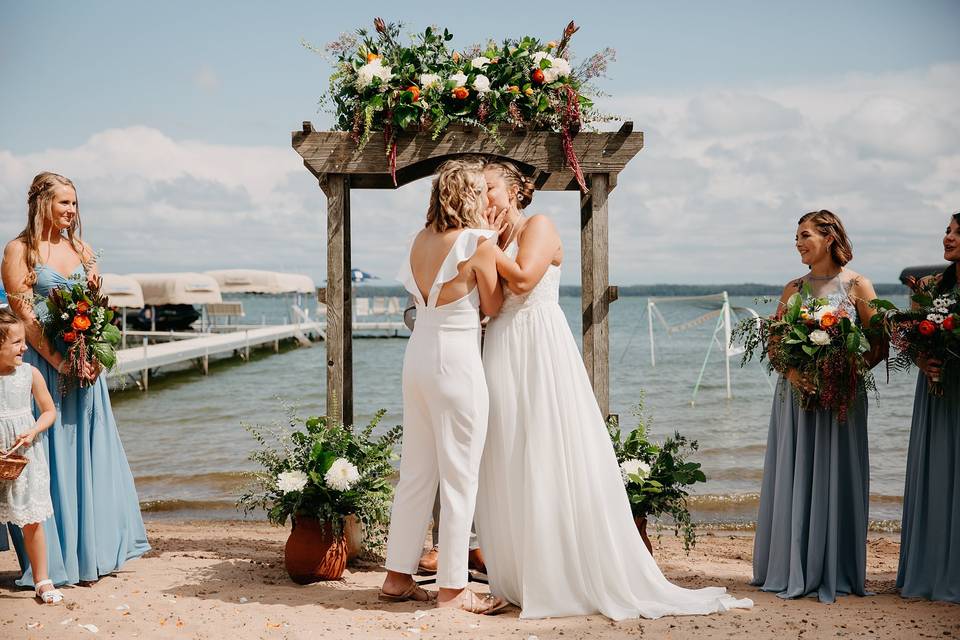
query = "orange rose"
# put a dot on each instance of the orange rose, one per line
(828, 320)
(81, 322)
(69, 336)
(461, 93)
(514, 89)
(82, 307)
(371, 57)
(415, 91)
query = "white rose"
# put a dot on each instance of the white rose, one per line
(459, 79)
(820, 337)
(558, 68)
(429, 80)
(481, 83)
(540, 55)
(634, 467)
(824, 310)
(341, 475)
(291, 481)
(480, 62)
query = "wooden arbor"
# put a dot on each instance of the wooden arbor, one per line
(333, 157)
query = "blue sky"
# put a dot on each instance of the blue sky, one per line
(174, 117)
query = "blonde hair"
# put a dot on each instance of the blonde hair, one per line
(8, 318)
(829, 225)
(514, 178)
(40, 215)
(456, 200)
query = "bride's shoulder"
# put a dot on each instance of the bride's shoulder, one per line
(539, 223)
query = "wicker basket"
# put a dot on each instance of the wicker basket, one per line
(11, 466)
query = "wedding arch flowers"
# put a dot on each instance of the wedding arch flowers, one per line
(381, 84)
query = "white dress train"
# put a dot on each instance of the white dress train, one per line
(444, 422)
(553, 517)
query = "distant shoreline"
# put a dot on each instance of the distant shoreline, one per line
(656, 290)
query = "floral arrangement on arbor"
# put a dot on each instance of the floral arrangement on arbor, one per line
(80, 315)
(931, 329)
(657, 476)
(380, 84)
(322, 469)
(820, 341)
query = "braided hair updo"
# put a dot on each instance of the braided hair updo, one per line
(514, 178)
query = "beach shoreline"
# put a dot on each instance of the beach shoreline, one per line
(225, 578)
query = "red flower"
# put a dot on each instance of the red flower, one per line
(927, 328)
(69, 336)
(415, 91)
(80, 322)
(537, 76)
(461, 93)
(949, 323)
(82, 307)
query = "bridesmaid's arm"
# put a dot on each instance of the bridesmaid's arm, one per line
(863, 293)
(539, 244)
(20, 296)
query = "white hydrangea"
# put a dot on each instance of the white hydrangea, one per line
(820, 337)
(540, 55)
(341, 475)
(480, 62)
(935, 317)
(291, 481)
(481, 83)
(558, 68)
(459, 79)
(373, 69)
(634, 467)
(428, 80)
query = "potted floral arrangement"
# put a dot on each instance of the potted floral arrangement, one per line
(657, 476)
(381, 84)
(322, 475)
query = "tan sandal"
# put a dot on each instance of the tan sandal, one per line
(480, 603)
(414, 593)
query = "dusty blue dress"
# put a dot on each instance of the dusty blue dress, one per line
(930, 535)
(96, 525)
(812, 526)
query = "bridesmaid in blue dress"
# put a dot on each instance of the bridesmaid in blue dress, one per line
(812, 525)
(930, 535)
(96, 525)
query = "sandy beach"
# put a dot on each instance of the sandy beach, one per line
(219, 579)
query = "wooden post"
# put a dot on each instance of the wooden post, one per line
(339, 337)
(595, 299)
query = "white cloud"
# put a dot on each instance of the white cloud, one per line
(713, 197)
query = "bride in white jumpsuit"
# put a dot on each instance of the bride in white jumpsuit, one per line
(451, 272)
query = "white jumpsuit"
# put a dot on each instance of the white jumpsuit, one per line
(445, 408)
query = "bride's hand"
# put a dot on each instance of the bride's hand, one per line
(497, 219)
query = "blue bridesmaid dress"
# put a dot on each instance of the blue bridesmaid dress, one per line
(930, 535)
(96, 526)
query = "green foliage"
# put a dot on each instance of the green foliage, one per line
(665, 489)
(311, 446)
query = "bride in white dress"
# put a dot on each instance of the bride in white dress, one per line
(552, 515)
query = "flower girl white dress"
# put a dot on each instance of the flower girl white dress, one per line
(552, 514)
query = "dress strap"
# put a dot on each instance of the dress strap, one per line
(405, 274)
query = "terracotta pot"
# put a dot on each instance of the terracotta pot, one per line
(641, 522)
(313, 553)
(353, 532)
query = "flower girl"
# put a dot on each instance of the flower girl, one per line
(25, 501)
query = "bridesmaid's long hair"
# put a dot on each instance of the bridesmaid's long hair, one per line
(40, 215)
(829, 225)
(456, 199)
(948, 280)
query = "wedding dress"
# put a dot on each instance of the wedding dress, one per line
(553, 517)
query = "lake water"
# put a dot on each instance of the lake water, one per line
(188, 449)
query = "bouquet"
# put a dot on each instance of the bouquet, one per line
(380, 84)
(657, 477)
(322, 469)
(820, 341)
(80, 315)
(931, 329)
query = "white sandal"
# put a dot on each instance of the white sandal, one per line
(50, 596)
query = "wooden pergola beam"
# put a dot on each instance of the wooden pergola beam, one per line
(333, 157)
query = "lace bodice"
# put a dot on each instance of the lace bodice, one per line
(546, 291)
(15, 393)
